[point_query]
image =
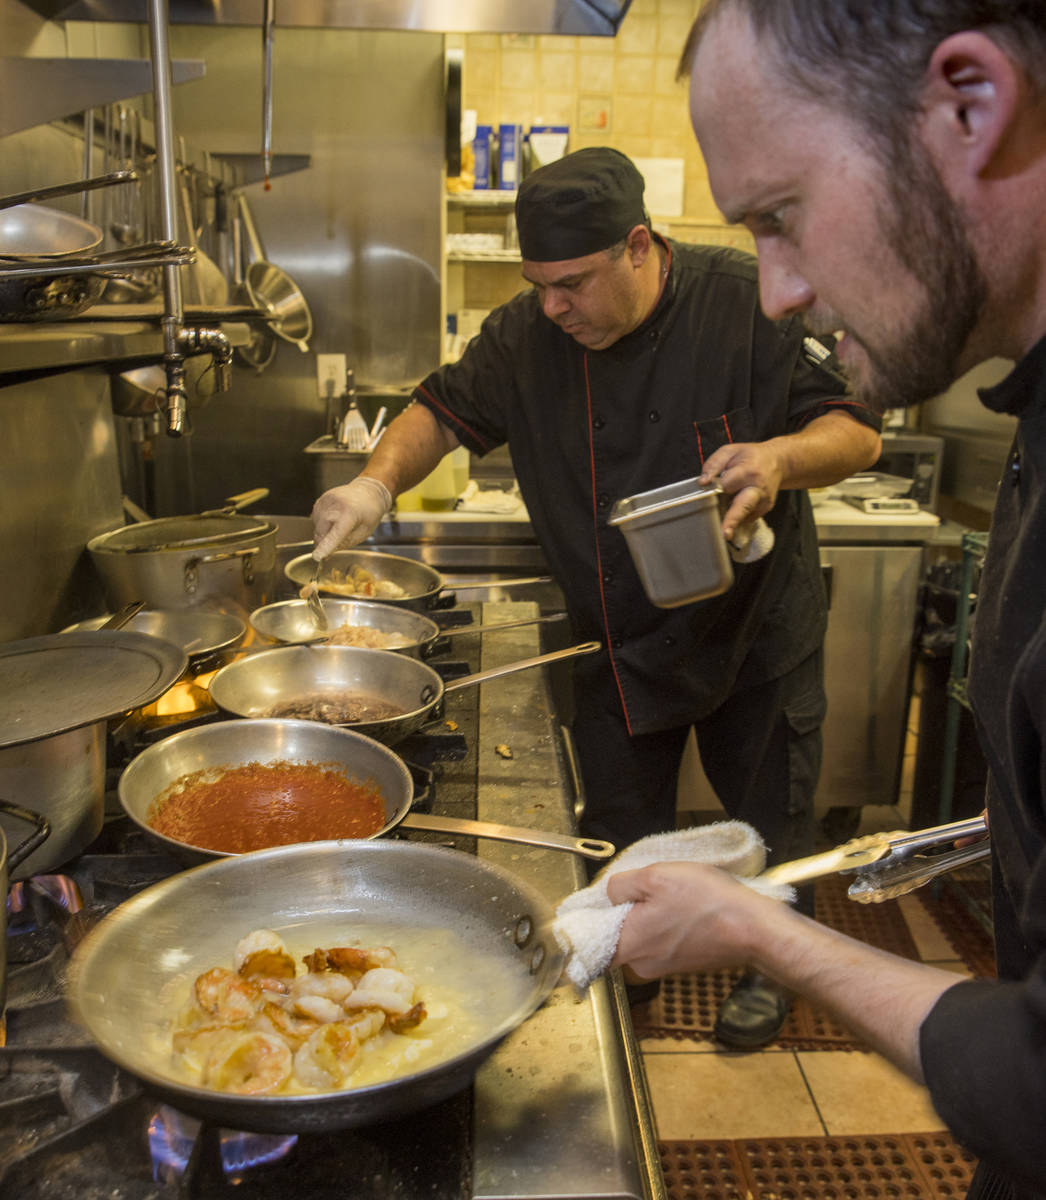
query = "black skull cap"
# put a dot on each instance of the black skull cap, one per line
(579, 204)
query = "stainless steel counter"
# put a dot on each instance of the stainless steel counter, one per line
(562, 1104)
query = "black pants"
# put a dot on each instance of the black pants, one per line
(761, 752)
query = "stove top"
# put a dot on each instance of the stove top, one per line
(558, 1109)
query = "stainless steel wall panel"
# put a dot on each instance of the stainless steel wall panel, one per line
(358, 231)
(59, 486)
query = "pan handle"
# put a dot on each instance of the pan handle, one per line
(512, 668)
(587, 847)
(459, 630)
(43, 831)
(476, 584)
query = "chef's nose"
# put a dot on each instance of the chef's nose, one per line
(783, 289)
(554, 302)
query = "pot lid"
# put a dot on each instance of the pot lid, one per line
(180, 533)
(52, 684)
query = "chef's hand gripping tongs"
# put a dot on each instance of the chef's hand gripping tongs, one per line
(887, 865)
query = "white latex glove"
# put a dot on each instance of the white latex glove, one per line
(344, 516)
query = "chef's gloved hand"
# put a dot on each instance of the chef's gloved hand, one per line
(344, 516)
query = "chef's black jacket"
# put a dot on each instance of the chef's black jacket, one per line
(587, 428)
(983, 1044)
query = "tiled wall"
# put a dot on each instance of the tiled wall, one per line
(619, 91)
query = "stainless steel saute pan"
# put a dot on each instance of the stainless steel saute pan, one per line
(359, 758)
(422, 586)
(124, 972)
(255, 685)
(291, 622)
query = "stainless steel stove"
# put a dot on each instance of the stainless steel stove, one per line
(559, 1110)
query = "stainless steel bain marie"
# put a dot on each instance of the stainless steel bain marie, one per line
(675, 537)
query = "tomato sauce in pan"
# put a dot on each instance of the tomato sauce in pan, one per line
(251, 807)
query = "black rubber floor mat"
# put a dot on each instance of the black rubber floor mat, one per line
(687, 1005)
(960, 906)
(914, 1166)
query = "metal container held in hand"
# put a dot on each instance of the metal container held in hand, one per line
(675, 536)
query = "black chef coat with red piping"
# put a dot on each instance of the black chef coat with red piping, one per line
(586, 428)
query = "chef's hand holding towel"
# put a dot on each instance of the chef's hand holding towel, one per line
(587, 924)
(751, 541)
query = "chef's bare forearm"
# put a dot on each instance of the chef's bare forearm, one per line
(825, 450)
(692, 917)
(410, 448)
(884, 999)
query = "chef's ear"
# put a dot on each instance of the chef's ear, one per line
(639, 242)
(972, 105)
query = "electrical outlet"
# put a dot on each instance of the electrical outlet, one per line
(330, 374)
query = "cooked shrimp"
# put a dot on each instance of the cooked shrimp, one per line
(261, 953)
(411, 1019)
(252, 1064)
(194, 1046)
(327, 1058)
(350, 960)
(277, 1020)
(328, 985)
(383, 988)
(365, 1022)
(226, 997)
(318, 1008)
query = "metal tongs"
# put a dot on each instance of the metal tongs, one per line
(887, 865)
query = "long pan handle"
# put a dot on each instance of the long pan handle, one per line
(587, 847)
(461, 630)
(512, 668)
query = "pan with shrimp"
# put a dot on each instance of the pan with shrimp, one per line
(315, 986)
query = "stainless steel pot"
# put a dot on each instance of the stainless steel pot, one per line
(178, 562)
(422, 585)
(360, 759)
(200, 632)
(122, 971)
(56, 696)
(253, 685)
(291, 622)
(9, 859)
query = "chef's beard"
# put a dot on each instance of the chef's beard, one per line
(924, 228)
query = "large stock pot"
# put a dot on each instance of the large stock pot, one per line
(179, 562)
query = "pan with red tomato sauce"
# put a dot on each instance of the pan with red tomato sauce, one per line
(251, 807)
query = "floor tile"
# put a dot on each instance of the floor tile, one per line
(699, 1096)
(671, 1045)
(857, 1092)
(929, 939)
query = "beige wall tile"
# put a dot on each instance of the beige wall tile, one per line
(697, 1096)
(557, 71)
(481, 70)
(637, 35)
(665, 82)
(518, 69)
(857, 1092)
(671, 35)
(596, 73)
(556, 108)
(634, 74)
(633, 117)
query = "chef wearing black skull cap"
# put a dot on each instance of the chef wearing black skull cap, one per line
(631, 362)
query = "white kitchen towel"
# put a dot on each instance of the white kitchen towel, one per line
(751, 541)
(587, 925)
(491, 500)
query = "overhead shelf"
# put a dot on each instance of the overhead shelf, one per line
(34, 91)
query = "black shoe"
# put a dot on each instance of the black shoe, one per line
(753, 1013)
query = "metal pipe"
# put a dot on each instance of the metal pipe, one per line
(85, 199)
(267, 36)
(177, 401)
(69, 189)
